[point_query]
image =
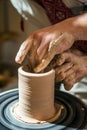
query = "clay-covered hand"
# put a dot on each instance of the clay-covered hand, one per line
(73, 67)
(55, 47)
(41, 39)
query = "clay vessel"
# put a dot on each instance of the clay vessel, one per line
(36, 95)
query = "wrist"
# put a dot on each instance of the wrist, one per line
(85, 63)
(79, 24)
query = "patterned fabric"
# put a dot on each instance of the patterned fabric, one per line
(57, 11)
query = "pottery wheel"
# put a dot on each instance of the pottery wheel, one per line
(73, 116)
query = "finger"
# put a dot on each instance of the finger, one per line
(65, 67)
(24, 48)
(33, 57)
(69, 81)
(78, 74)
(42, 49)
(64, 57)
(68, 85)
(71, 77)
(60, 60)
(60, 77)
(36, 41)
(62, 43)
(43, 53)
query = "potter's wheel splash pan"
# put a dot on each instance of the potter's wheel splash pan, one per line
(73, 117)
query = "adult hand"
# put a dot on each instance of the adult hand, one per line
(56, 46)
(40, 39)
(73, 68)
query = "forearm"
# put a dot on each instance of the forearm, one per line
(80, 27)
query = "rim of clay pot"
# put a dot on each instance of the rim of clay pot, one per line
(26, 73)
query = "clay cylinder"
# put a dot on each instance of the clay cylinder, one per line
(36, 94)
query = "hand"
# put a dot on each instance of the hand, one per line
(73, 68)
(41, 39)
(75, 27)
(53, 50)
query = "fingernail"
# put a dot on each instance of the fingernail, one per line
(24, 45)
(17, 59)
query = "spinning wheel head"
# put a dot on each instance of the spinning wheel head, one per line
(74, 114)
